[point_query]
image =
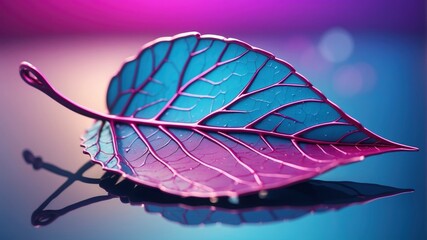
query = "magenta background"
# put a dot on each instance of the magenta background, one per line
(80, 44)
(38, 18)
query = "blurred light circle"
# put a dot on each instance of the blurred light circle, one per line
(354, 79)
(336, 45)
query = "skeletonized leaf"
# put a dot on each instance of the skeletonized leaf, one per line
(207, 116)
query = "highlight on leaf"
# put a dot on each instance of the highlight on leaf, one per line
(206, 116)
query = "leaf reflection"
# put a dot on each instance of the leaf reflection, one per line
(313, 196)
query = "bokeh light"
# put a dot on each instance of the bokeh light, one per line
(336, 45)
(350, 80)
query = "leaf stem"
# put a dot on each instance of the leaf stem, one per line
(34, 78)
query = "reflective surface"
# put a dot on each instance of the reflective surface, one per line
(387, 96)
(280, 204)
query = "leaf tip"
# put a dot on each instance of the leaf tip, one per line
(402, 147)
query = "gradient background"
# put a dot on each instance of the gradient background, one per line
(369, 57)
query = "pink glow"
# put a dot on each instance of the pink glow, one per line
(32, 17)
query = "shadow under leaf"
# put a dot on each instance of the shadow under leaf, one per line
(292, 202)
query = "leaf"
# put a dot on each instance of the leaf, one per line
(207, 116)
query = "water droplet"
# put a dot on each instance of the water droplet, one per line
(213, 199)
(262, 194)
(127, 150)
(233, 200)
(262, 148)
